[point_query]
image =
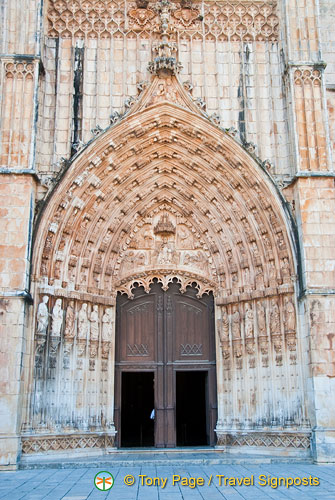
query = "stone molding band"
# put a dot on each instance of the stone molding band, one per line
(295, 440)
(61, 443)
(43, 444)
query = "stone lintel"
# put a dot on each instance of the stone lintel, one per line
(317, 291)
(20, 171)
(21, 57)
(314, 64)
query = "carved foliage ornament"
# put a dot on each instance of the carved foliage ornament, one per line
(183, 278)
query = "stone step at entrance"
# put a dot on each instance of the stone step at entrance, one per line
(133, 457)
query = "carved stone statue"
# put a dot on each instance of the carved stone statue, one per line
(107, 326)
(261, 319)
(69, 321)
(289, 315)
(94, 320)
(224, 326)
(274, 317)
(249, 322)
(236, 320)
(285, 267)
(83, 323)
(272, 271)
(43, 316)
(57, 318)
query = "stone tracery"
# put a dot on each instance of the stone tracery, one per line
(228, 20)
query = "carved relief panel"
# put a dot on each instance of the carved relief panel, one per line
(165, 241)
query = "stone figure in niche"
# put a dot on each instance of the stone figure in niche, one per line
(57, 318)
(43, 316)
(83, 323)
(254, 249)
(195, 259)
(128, 261)
(224, 327)
(107, 326)
(285, 267)
(185, 239)
(249, 322)
(274, 318)
(236, 320)
(94, 321)
(267, 241)
(289, 315)
(272, 271)
(246, 276)
(281, 241)
(259, 277)
(315, 312)
(69, 321)
(234, 279)
(242, 251)
(140, 259)
(166, 254)
(146, 239)
(261, 319)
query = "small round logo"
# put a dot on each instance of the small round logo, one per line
(104, 480)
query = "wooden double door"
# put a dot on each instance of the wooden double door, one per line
(165, 361)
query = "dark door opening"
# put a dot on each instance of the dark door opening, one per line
(137, 404)
(191, 408)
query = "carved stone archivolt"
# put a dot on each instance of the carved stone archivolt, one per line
(229, 226)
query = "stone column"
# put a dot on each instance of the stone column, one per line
(19, 86)
(312, 190)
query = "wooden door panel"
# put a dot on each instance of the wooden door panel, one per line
(191, 330)
(164, 331)
(138, 343)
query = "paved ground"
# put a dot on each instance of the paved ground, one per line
(78, 483)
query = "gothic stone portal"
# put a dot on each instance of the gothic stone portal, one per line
(171, 336)
(205, 212)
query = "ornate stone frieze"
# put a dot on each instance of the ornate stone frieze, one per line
(307, 76)
(268, 439)
(19, 69)
(43, 444)
(165, 277)
(227, 20)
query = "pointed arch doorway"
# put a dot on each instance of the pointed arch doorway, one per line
(165, 360)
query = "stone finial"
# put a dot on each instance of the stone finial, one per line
(164, 50)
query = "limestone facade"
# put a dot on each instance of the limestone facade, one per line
(188, 141)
